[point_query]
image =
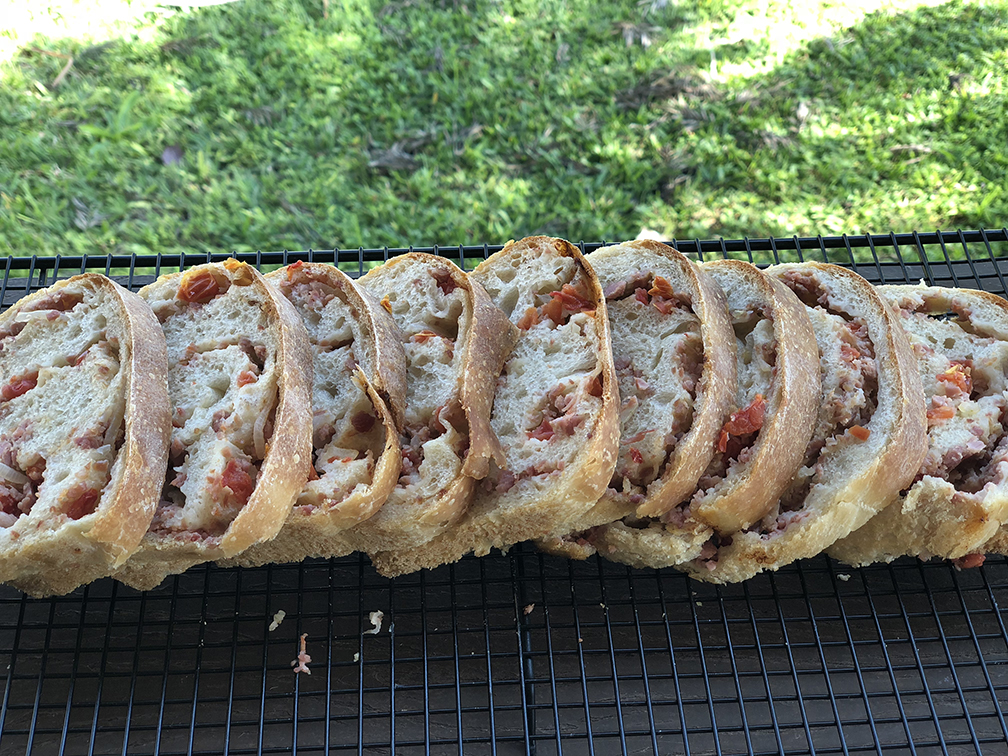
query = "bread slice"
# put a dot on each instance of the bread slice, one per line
(870, 436)
(84, 427)
(760, 446)
(555, 410)
(674, 354)
(239, 378)
(455, 342)
(960, 497)
(358, 404)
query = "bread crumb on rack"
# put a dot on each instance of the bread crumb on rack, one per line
(376, 620)
(277, 619)
(301, 663)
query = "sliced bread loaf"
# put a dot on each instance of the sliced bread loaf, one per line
(455, 341)
(239, 378)
(869, 439)
(674, 355)
(555, 410)
(759, 447)
(358, 404)
(960, 497)
(84, 428)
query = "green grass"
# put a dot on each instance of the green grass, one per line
(509, 118)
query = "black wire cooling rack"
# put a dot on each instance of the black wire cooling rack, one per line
(522, 653)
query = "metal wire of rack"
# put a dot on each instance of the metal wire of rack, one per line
(522, 652)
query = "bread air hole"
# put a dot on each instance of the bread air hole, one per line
(508, 301)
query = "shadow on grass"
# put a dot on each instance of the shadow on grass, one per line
(394, 124)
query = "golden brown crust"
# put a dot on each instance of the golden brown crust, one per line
(60, 564)
(651, 546)
(894, 453)
(491, 339)
(791, 410)
(284, 469)
(580, 485)
(148, 433)
(930, 521)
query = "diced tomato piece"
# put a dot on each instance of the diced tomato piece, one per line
(237, 479)
(294, 268)
(937, 412)
(553, 310)
(860, 433)
(199, 287)
(423, 336)
(19, 385)
(245, 377)
(529, 319)
(958, 378)
(743, 422)
(636, 456)
(82, 504)
(641, 296)
(661, 288)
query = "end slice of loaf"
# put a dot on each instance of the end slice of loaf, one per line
(455, 341)
(869, 439)
(674, 355)
(555, 409)
(239, 378)
(359, 390)
(84, 428)
(761, 445)
(960, 497)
